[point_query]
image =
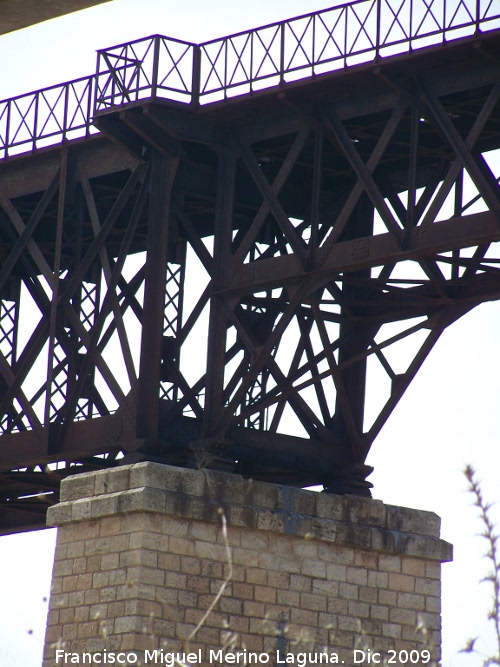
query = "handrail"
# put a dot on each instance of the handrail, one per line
(154, 66)
(335, 38)
(46, 117)
(159, 67)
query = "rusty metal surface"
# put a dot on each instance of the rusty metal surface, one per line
(214, 287)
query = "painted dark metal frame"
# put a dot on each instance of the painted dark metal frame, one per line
(276, 198)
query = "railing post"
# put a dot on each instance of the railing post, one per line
(156, 65)
(92, 95)
(377, 37)
(478, 16)
(65, 119)
(196, 76)
(313, 56)
(7, 128)
(444, 22)
(35, 123)
(226, 40)
(252, 34)
(282, 54)
(411, 27)
(346, 30)
(96, 87)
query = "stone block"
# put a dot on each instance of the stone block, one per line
(357, 575)
(433, 570)
(429, 548)
(392, 630)
(110, 526)
(389, 563)
(243, 591)
(348, 623)
(111, 481)
(428, 586)
(256, 575)
(325, 587)
(300, 583)
(433, 604)
(387, 540)
(62, 568)
(271, 521)
(81, 509)
(298, 501)
(368, 594)
(411, 601)
(348, 591)
(380, 612)
(403, 617)
(253, 540)
(364, 511)
(366, 559)
(128, 624)
(401, 582)
(413, 521)
(358, 608)
(413, 566)
(353, 535)
(79, 486)
(337, 572)
(221, 491)
(312, 567)
(149, 474)
(190, 565)
(106, 505)
(304, 617)
(262, 495)
(216, 552)
(143, 499)
(313, 601)
(321, 529)
(389, 598)
(207, 532)
(265, 594)
(329, 506)
(59, 514)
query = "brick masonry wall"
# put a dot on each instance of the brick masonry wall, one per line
(142, 553)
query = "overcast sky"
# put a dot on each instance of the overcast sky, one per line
(448, 417)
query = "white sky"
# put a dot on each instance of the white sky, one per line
(448, 417)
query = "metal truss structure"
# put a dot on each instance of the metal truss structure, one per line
(238, 254)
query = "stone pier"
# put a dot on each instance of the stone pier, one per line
(153, 560)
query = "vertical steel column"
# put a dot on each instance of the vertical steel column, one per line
(353, 339)
(217, 330)
(174, 298)
(163, 171)
(55, 286)
(9, 327)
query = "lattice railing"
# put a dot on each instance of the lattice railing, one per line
(161, 67)
(335, 38)
(46, 117)
(152, 67)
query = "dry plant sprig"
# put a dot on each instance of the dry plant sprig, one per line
(493, 577)
(229, 560)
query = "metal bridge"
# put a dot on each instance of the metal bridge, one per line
(238, 254)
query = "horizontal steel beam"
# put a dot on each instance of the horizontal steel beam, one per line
(367, 252)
